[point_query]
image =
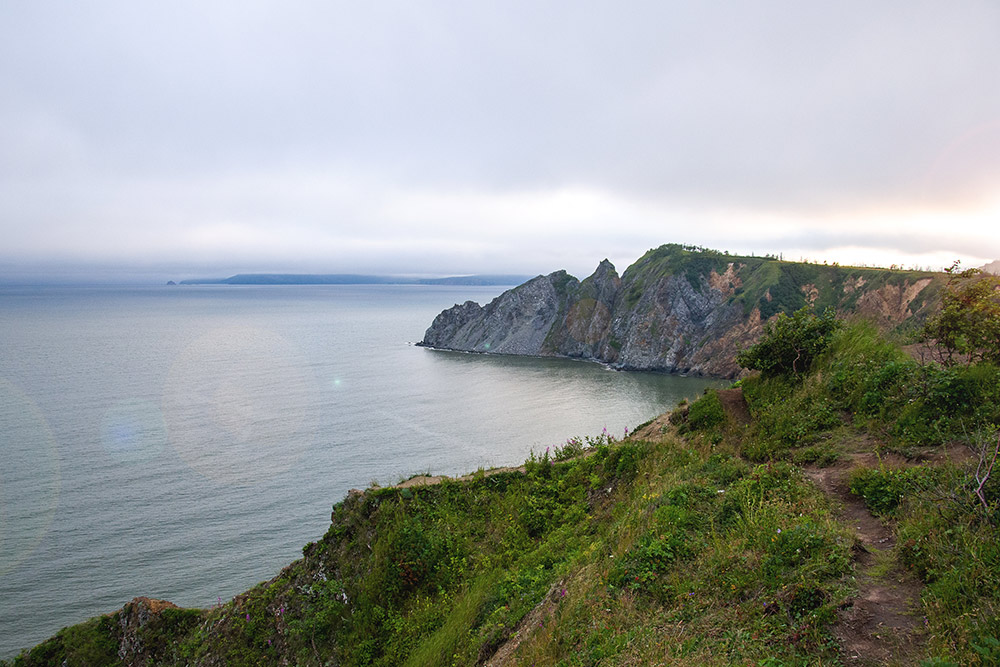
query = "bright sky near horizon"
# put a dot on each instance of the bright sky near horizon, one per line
(184, 139)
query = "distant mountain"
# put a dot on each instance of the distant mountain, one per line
(993, 267)
(353, 279)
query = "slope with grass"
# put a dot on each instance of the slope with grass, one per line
(838, 514)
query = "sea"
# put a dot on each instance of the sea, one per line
(185, 442)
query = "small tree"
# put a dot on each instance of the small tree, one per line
(968, 327)
(790, 344)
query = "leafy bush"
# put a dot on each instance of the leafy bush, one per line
(790, 344)
(968, 327)
(705, 413)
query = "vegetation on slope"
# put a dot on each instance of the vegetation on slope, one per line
(774, 285)
(704, 542)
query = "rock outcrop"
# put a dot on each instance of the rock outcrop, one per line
(677, 309)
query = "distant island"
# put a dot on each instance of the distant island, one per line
(353, 279)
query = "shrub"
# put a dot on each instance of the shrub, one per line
(968, 326)
(705, 413)
(790, 344)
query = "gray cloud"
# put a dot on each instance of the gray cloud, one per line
(447, 137)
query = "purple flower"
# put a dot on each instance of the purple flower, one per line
(248, 617)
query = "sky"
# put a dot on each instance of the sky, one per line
(143, 140)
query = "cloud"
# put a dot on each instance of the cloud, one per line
(447, 137)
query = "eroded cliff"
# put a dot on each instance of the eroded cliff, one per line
(677, 309)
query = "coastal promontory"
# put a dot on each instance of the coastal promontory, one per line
(677, 309)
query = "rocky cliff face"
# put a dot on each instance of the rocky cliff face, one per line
(677, 309)
(517, 322)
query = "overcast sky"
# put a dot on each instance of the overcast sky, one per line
(187, 138)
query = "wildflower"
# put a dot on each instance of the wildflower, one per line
(248, 617)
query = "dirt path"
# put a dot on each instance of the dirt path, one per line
(882, 626)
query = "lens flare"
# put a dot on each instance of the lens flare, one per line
(237, 405)
(30, 478)
(133, 431)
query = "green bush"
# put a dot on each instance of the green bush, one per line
(968, 327)
(705, 413)
(790, 344)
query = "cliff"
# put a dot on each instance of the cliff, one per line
(677, 309)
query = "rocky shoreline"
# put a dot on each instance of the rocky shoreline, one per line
(675, 310)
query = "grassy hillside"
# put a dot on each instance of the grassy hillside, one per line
(731, 533)
(774, 285)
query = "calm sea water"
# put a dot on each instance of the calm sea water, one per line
(186, 442)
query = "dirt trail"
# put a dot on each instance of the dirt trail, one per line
(883, 625)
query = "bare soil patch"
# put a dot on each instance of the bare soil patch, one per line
(734, 405)
(426, 480)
